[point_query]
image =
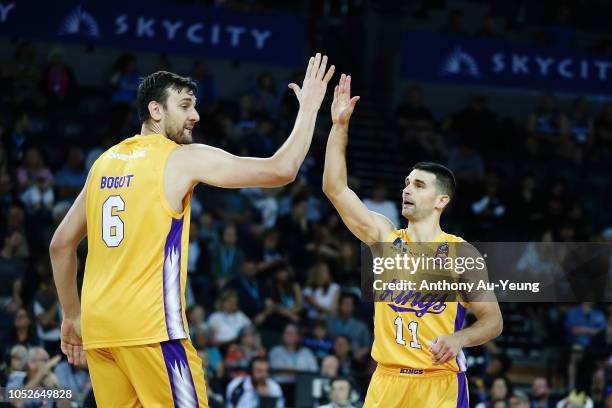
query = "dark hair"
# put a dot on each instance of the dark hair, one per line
(257, 359)
(154, 88)
(444, 176)
(342, 378)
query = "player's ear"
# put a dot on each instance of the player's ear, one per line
(442, 201)
(155, 110)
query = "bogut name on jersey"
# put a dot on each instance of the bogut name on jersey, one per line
(115, 181)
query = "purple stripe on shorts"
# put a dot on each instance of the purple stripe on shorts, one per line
(462, 395)
(172, 281)
(181, 381)
(459, 318)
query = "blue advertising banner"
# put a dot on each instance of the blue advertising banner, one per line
(470, 61)
(159, 26)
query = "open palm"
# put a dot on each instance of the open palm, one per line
(343, 105)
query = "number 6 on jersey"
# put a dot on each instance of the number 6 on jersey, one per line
(112, 225)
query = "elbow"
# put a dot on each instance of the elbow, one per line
(499, 327)
(287, 175)
(58, 245)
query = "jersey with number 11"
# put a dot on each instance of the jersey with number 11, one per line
(135, 273)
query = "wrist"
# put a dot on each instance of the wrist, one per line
(340, 126)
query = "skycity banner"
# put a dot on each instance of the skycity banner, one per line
(158, 26)
(470, 61)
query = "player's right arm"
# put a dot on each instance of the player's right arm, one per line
(213, 166)
(366, 225)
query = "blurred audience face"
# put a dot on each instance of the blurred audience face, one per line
(230, 304)
(291, 337)
(323, 276)
(515, 402)
(196, 314)
(330, 366)
(281, 275)
(342, 347)
(249, 338)
(249, 270)
(19, 358)
(347, 307)
(22, 319)
(499, 389)
(37, 358)
(539, 388)
(229, 235)
(260, 372)
(33, 158)
(340, 392)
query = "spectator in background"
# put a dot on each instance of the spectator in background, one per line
(342, 350)
(540, 393)
(547, 121)
(207, 86)
(298, 233)
(321, 294)
(518, 400)
(382, 205)
(252, 294)
(11, 273)
(262, 143)
(228, 320)
(340, 390)
(203, 340)
(70, 179)
(39, 372)
(319, 341)
(285, 302)
(18, 359)
(74, 377)
(267, 97)
(468, 166)
(582, 323)
(239, 355)
(500, 390)
(48, 314)
(195, 315)
(580, 122)
(576, 399)
(58, 79)
(255, 390)
(412, 113)
(330, 366)
(35, 181)
(226, 258)
(345, 324)
(23, 331)
(561, 33)
(124, 80)
(289, 358)
(25, 74)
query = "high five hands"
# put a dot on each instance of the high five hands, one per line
(315, 82)
(343, 105)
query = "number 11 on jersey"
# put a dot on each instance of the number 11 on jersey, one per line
(413, 327)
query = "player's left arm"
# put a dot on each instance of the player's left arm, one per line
(62, 251)
(488, 326)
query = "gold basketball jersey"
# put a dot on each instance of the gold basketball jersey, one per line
(403, 331)
(135, 273)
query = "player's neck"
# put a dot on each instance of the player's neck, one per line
(426, 230)
(151, 129)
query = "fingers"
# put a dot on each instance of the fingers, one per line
(335, 93)
(354, 100)
(295, 88)
(330, 74)
(309, 68)
(322, 67)
(315, 66)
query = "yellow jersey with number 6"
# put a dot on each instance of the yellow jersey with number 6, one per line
(135, 273)
(404, 330)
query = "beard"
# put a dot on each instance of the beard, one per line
(180, 135)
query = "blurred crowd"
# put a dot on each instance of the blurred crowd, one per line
(273, 290)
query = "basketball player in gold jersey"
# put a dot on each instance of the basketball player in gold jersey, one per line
(418, 351)
(135, 211)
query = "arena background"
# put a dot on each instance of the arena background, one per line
(515, 97)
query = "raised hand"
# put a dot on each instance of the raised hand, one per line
(343, 105)
(315, 82)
